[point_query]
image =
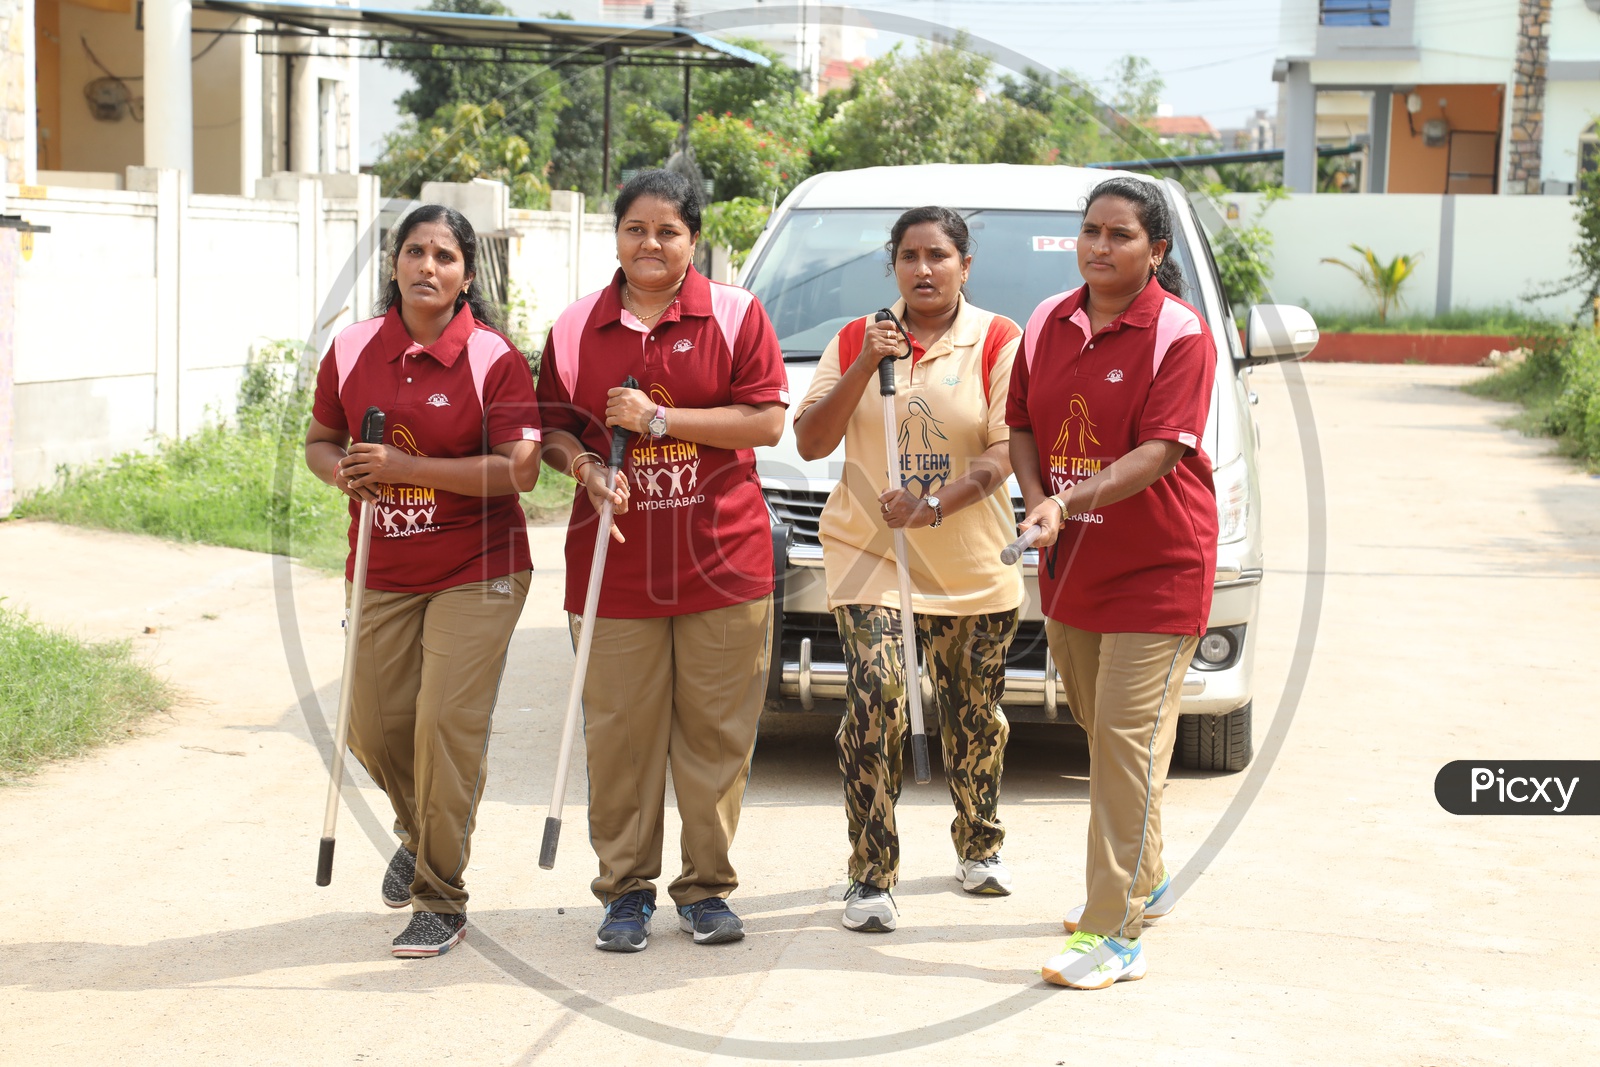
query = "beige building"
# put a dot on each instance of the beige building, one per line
(167, 83)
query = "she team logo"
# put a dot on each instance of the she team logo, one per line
(1068, 464)
(921, 462)
(665, 472)
(405, 510)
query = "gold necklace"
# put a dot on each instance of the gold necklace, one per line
(627, 298)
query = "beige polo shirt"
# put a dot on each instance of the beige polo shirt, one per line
(950, 406)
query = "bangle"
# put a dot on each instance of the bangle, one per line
(579, 458)
(1061, 502)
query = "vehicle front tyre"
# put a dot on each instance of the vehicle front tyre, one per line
(1216, 742)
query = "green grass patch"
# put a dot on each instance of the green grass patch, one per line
(59, 695)
(1558, 388)
(1491, 321)
(240, 484)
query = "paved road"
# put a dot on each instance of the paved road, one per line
(165, 912)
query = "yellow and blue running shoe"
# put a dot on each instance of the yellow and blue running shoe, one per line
(1094, 961)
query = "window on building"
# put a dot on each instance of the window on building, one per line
(1355, 12)
(1589, 150)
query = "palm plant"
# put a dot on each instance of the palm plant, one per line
(1382, 281)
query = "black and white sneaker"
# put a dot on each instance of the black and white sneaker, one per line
(430, 934)
(397, 879)
(985, 877)
(626, 927)
(868, 909)
(711, 922)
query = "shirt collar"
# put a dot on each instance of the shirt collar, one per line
(446, 350)
(694, 298)
(1142, 313)
(965, 330)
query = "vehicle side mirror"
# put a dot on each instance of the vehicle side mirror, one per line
(1278, 332)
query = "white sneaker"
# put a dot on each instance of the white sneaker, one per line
(1160, 902)
(986, 877)
(1094, 961)
(868, 909)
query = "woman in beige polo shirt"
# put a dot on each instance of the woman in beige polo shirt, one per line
(950, 403)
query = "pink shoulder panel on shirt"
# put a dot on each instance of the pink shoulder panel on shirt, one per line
(1037, 320)
(1176, 320)
(349, 344)
(729, 305)
(567, 333)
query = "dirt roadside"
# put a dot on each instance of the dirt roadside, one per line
(166, 910)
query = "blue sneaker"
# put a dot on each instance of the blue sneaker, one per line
(711, 922)
(1160, 902)
(1094, 961)
(626, 927)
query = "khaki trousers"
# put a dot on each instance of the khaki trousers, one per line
(1124, 691)
(684, 691)
(427, 674)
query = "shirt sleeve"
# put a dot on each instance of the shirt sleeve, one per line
(556, 409)
(326, 407)
(999, 383)
(826, 377)
(1016, 397)
(1180, 394)
(510, 409)
(758, 375)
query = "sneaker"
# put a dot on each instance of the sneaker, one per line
(626, 927)
(711, 921)
(1094, 961)
(397, 879)
(987, 877)
(430, 934)
(1160, 902)
(868, 909)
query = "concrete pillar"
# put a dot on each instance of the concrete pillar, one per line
(571, 205)
(1300, 130)
(172, 204)
(250, 106)
(304, 115)
(1378, 153)
(168, 88)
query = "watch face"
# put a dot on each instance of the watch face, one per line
(933, 502)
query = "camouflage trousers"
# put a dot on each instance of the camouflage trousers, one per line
(966, 657)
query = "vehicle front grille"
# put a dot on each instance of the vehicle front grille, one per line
(801, 508)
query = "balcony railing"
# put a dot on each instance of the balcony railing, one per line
(1355, 12)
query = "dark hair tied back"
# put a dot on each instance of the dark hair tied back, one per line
(465, 236)
(666, 185)
(1150, 204)
(950, 223)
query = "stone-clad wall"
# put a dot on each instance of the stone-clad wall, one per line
(1527, 105)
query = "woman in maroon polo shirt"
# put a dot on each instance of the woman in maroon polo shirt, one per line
(679, 657)
(1107, 408)
(449, 564)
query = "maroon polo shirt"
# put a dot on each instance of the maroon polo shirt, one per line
(460, 396)
(698, 535)
(1145, 564)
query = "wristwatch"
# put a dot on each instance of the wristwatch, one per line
(658, 425)
(938, 512)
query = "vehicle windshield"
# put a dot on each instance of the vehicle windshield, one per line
(824, 267)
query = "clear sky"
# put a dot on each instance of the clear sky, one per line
(1215, 55)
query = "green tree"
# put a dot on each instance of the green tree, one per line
(459, 143)
(932, 107)
(1243, 252)
(529, 94)
(735, 224)
(745, 160)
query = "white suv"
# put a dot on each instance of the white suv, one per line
(821, 262)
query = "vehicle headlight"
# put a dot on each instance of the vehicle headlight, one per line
(1233, 501)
